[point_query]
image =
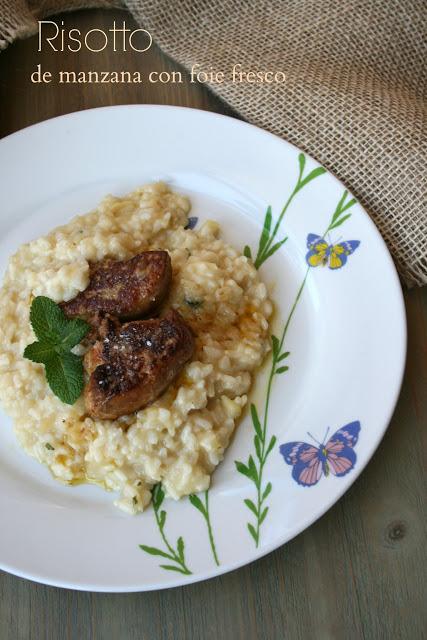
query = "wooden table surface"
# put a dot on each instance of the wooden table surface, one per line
(356, 573)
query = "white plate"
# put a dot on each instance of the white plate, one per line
(346, 335)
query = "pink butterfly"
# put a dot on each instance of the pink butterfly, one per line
(337, 456)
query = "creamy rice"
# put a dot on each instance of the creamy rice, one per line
(180, 438)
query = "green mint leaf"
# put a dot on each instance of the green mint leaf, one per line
(153, 551)
(73, 332)
(64, 374)
(47, 320)
(56, 336)
(39, 352)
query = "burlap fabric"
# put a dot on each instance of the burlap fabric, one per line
(354, 96)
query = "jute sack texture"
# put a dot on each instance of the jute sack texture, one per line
(354, 96)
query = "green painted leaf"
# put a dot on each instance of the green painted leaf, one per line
(251, 506)
(339, 207)
(253, 470)
(311, 176)
(171, 567)
(39, 352)
(276, 345)
(301, 162)
(265, 231)
(247, 252)
(267, 491)
(196, 502)
(162, 519)
(180, 548)
(273, 249)
(263, 515)
(257, 445)
(270, 446)
(153, 551)
(339, 222)
(158, 496)
(243, 469)
(348, 204)
(64, 374)
(282, 370)
(256, 422)
(252, 531)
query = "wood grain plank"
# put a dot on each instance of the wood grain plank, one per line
(356, 573)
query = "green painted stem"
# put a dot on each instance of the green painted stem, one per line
(171, 550)
(263, 456)
(210, 532)
(279, 221)
(267, 404)
(264, 449)
(162, 533)
(292, 311)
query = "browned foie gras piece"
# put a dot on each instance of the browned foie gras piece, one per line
(133, 363)
(126, 289)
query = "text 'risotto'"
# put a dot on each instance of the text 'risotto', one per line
(180, 438)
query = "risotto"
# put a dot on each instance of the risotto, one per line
(180, 438)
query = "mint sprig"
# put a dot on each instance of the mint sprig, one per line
(57, 335)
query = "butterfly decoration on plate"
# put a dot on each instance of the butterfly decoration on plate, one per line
(337, 456)
(320, 252)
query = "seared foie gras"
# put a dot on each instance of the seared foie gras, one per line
(126, 289)
(133, 363)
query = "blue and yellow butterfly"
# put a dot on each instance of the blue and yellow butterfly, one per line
(333, 255)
